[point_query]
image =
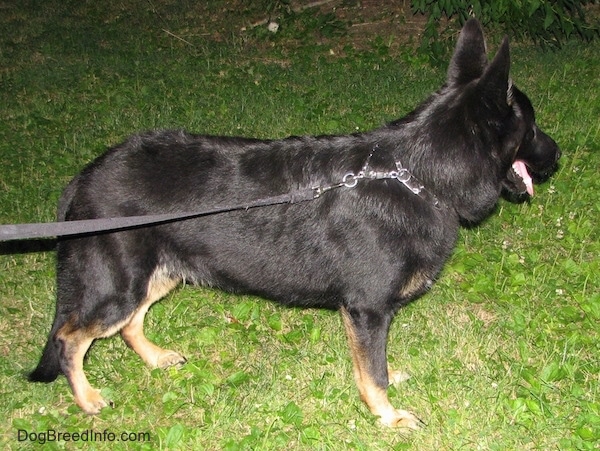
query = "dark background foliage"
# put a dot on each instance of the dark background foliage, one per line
(549, 23)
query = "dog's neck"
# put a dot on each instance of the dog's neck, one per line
(400, 173)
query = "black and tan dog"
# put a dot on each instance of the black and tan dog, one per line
(365, 249)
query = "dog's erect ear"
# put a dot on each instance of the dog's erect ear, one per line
(495, 80)
(469, 60)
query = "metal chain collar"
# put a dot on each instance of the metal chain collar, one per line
(402, 174)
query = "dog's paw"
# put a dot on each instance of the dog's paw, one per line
(395, 376)
(170, 358)
(91, 402)
(402, 419)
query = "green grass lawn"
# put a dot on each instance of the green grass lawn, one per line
(504, 351)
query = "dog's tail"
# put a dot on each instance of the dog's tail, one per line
(48, 368)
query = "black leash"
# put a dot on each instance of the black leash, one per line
(11, 232)
(38, 230)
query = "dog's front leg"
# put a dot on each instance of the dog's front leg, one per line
(367, 332)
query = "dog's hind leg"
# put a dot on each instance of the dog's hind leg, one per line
(72, 344)
(133, 332)
(367, 335)
(68, 341)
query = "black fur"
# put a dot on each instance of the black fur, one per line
(367, 250)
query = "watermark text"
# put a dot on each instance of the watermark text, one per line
(89, 435)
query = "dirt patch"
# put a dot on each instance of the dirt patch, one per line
(393, 20)
(369, 18)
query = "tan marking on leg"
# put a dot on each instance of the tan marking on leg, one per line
(415, 284)
(354, 349)
(375, 397)
(133, 332)
(75, 344)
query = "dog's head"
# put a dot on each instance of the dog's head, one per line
(526, 155)
(477, 134)
(536, 158)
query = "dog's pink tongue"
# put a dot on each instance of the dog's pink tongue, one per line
(521, 169)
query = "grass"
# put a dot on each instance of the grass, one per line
(503, 351)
